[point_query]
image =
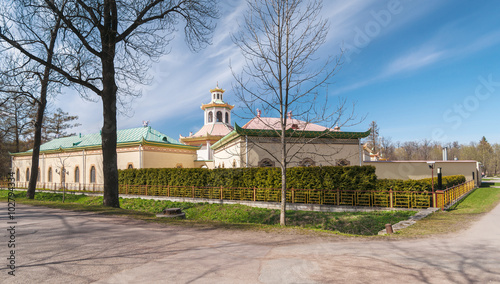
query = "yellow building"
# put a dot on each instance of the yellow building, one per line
(77, 160)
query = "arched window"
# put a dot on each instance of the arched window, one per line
(38, 175)
(49, 175)
(219, 116)
(266, 163)
(77, 174)
(130, 166)
(28, 174)
(227, 117)
(234, 163)
(210, 116)
(307, 162)
(179, 166)
(92, 174)
(18, 176)
(343, 162)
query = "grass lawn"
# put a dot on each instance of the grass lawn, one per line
(238, 216)
(457, 218)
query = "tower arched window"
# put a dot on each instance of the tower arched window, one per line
(27, 174)
(210, 116)
(227, 117)
(219, 116)
(92, 174)
(77, 174)
(18, 176)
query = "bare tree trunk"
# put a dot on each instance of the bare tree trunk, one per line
(108, 133)
(42, 103)
(36, 147)
(283, 181)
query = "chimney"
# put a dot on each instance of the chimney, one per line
(290, 115)
(258, 112)
(445, 153)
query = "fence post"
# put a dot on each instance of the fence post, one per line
(146, 190)
(193, 191)
(391, 198)
(254, 194)
(442, 202)
(221, 192)
(338, 197)
(293, 195)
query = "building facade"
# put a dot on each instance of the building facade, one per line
(76, 161)
(257, 144)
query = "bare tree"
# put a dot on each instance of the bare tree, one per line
(107, 47)
(373, 139)
(38, 29)
(387, 148)
(57, 123)
(279, 40)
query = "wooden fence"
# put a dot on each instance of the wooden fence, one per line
(390, 199)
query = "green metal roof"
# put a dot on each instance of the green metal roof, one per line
(238, 131)
(123, 136)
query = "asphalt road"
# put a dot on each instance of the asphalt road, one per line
(56, 246)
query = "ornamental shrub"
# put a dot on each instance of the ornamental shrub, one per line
(418, 185)
(343, 178)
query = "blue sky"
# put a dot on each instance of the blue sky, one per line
(420, 69)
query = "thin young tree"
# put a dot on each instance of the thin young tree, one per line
(38, 29)
(279, 40)
(109, 44)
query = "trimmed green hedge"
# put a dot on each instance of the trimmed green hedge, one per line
(418, 185)
(346, 178)
(360, 178)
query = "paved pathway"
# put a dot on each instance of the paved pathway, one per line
(55, 246)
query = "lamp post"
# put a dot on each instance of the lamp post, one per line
(431, 166)
(440, 179)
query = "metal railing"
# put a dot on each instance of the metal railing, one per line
(448, 197)
(390, 199)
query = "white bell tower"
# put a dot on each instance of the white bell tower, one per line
(217, 111)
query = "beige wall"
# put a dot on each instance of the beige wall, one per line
(258, 149)
(420, 169)
(84, 160)
(153, 159)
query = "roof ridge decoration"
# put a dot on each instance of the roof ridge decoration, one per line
(301, 133)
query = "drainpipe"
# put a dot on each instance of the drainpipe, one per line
(246, 151)
(12, 170)
(84, 170)
(140, 156)
(360, 152)
(42, 174)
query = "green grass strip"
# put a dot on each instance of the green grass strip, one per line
(354, 223)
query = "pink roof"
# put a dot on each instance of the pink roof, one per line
(218, 129)
(274, 123)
